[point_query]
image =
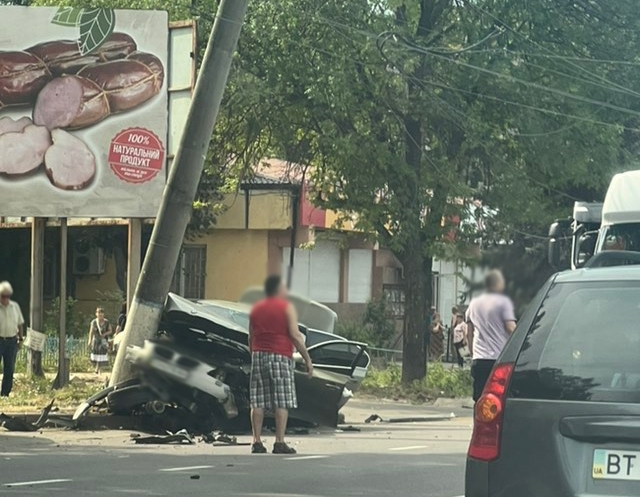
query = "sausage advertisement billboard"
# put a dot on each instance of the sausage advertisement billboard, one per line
(83, 111)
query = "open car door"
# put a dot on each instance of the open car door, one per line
(337, 364)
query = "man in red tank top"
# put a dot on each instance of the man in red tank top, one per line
(273, 335)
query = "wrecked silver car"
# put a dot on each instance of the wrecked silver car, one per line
(201, 363)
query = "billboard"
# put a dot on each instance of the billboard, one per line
(83, 111)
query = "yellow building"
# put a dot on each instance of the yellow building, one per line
(252, 238)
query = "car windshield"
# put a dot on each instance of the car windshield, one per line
(583, 345)
(621, 237)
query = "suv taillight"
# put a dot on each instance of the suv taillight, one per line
(487, 426)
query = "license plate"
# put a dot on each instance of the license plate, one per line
(616, 465)
(169, 369)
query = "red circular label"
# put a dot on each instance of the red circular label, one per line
(136, 155)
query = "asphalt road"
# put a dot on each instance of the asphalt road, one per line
(417, 459)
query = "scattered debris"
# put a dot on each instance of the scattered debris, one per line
(13, 423)
(422, 419)
(415, 419)
(298, 431)
(221, 438)
(350, 428)
(179, 437)
(59, 421)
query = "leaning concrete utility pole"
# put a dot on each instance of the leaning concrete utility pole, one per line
(177, 200)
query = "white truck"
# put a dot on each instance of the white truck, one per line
(596, 227)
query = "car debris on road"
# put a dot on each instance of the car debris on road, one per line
(14, 423)
(180, 437)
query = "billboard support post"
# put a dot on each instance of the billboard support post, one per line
(134, 249)
(37, 285)
(62, 379)
(180, 191)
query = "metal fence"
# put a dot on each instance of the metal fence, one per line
(77, 351)
(385, 355)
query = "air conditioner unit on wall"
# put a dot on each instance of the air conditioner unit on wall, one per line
(88, 260)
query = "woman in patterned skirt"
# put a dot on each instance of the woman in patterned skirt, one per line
(99, 331)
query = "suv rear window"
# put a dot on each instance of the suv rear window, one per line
(583, 345)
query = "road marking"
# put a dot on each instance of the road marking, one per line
(304, 458)
(186, 468)
(15, 454)
(413, 447)
(36, 482)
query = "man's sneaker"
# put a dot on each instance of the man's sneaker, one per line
(258, 448)
(283, 448)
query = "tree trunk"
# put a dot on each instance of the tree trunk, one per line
(414, 361)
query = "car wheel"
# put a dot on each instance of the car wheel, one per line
(341, 418)
(124, 400)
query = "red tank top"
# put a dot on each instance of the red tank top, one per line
(270, 327)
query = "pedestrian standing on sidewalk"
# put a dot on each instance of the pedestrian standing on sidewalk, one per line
(11, 336)
(99, 332)
(273, 334)
(490, 322)
(436, 341)
(459, 337)
(451, 349)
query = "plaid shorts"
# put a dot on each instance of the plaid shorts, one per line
(272, 381)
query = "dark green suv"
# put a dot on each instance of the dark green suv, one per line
(560, 414)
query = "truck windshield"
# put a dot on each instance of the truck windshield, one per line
(620, 237)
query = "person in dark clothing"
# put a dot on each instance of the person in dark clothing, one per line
(122, 318)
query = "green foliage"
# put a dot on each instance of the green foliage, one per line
(405, 113)
(79, 362)
(353, 330)
(377, 320)
(375, 328)
(77, 321)
(440, 382)
(34, 393)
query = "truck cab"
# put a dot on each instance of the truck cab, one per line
(572, 241)
(596, 227)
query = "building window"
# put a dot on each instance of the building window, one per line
(360, 276)
(435, 291)
(394, 295)
(189, 278)
(316, 272)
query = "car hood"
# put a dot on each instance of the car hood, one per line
(180, 313)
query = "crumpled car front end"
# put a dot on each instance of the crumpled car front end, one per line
(181, 368)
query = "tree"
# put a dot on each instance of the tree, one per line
(405, 111)
(405, 114)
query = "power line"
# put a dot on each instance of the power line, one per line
(486, 96)
(443, 51)
(537, 86)
(564, 94)
(440, 53)
(514, 31)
